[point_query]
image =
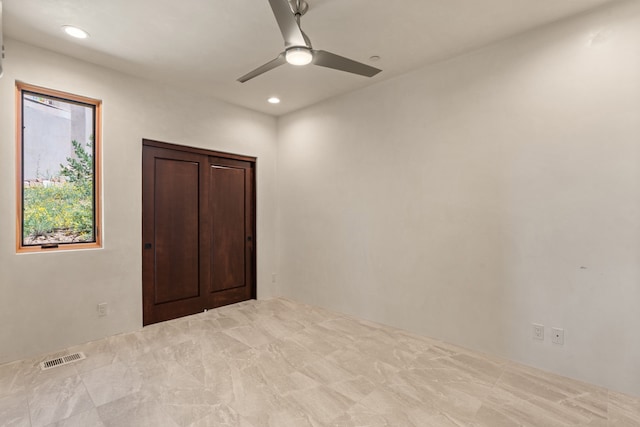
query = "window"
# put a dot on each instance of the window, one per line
(58, 167)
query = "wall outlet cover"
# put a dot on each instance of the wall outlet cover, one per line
(102, 309)
(557, 336)
(538, 331)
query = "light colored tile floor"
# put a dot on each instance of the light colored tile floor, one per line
(279, 363)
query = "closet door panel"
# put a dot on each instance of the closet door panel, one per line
(174, 252)
(177, 231)
(232, 230)
(228, 237)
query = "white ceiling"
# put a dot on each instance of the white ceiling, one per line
(205, 45)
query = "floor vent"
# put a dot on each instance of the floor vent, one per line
(60, 361)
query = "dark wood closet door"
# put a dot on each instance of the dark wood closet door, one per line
(174, 282)
(232, 246)
(198, 214)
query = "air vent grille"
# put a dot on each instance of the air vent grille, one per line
(63, 360)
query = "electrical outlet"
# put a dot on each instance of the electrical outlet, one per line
(102, 309)
(557, 336)
(538, 331)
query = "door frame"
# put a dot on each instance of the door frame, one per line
(253, 209)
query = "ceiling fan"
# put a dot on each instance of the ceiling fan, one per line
(297, 46)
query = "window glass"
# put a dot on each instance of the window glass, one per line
(58, 146)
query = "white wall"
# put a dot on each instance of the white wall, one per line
(471, 198)
(48, 300)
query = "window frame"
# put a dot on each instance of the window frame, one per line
(97, 168)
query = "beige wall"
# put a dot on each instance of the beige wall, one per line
(471, 198)
(48, 301)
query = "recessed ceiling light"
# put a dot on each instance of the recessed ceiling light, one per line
(274, 100)
(76, 32)
(374, 58)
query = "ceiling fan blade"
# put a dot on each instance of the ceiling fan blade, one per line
(289, 27)
(337, 62)
(264, 68)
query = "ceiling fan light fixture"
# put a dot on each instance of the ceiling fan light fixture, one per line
(299, 56)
